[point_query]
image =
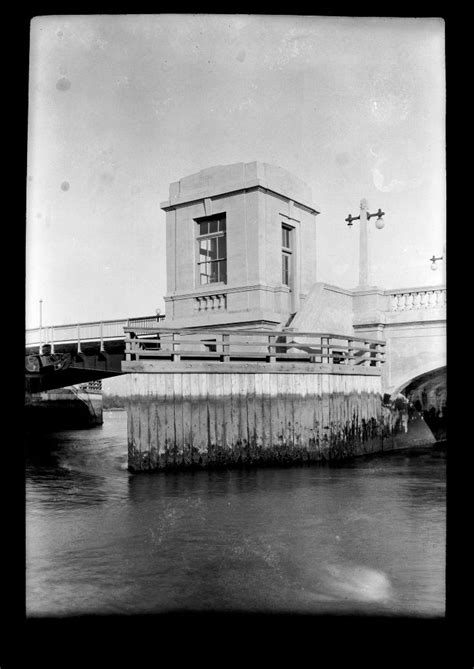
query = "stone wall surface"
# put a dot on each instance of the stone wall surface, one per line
(325, 309)
(257, 199)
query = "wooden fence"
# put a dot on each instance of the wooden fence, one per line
(269, 346)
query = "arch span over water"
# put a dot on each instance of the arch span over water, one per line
(427, 394)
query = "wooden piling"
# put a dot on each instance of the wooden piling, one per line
(187, 419)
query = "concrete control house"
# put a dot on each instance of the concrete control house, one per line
(240, 247)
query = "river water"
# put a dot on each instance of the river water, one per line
(361, 537)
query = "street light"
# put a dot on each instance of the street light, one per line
(364, 216)
(379, 223)
(433, 262)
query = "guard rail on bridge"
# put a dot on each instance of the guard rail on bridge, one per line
(80, 333)
(256, 345)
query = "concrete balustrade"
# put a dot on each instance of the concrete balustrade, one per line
(417, 298)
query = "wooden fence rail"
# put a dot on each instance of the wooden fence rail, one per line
(257, 345)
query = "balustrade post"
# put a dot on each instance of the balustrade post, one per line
(102, 337)
(432, 298)
(79, 338)
(423, 300)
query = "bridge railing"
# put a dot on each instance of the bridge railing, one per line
(408, 299)
(255, 345)
(86, 332)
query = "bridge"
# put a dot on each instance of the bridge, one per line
(293, 367)
(404, 330)
(65, 355)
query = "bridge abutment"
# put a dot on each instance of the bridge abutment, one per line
(183, 419)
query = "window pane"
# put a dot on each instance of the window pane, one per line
(204, 228)
(214, 272)
(203, 274)
(285, 269)
(285, 237)
(203, 250)
(223, 271)
(221, 247)
(212, 248)
(212, 226)
(222, 225)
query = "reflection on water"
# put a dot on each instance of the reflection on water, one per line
(366, 536)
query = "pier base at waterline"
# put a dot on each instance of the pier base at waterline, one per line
(73, 407)
(185, 419)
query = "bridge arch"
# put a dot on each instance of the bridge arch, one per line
(420, 376)
(427, 394)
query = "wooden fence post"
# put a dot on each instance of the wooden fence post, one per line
(325, 347)
(271, 348)
(350, 351)
(175, 342)
(367, 358)
(225, 357)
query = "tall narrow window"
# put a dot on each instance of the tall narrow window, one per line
(212, 263)
(286, 251)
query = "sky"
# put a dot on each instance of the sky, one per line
(120, 106)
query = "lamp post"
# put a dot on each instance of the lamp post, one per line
(41, 327)
(433, 262)
(364, 216)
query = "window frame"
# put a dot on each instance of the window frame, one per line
(217, 234)
(286, 255)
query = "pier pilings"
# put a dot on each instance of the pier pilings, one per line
(190, 419)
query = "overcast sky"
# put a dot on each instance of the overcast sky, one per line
(121, 106)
